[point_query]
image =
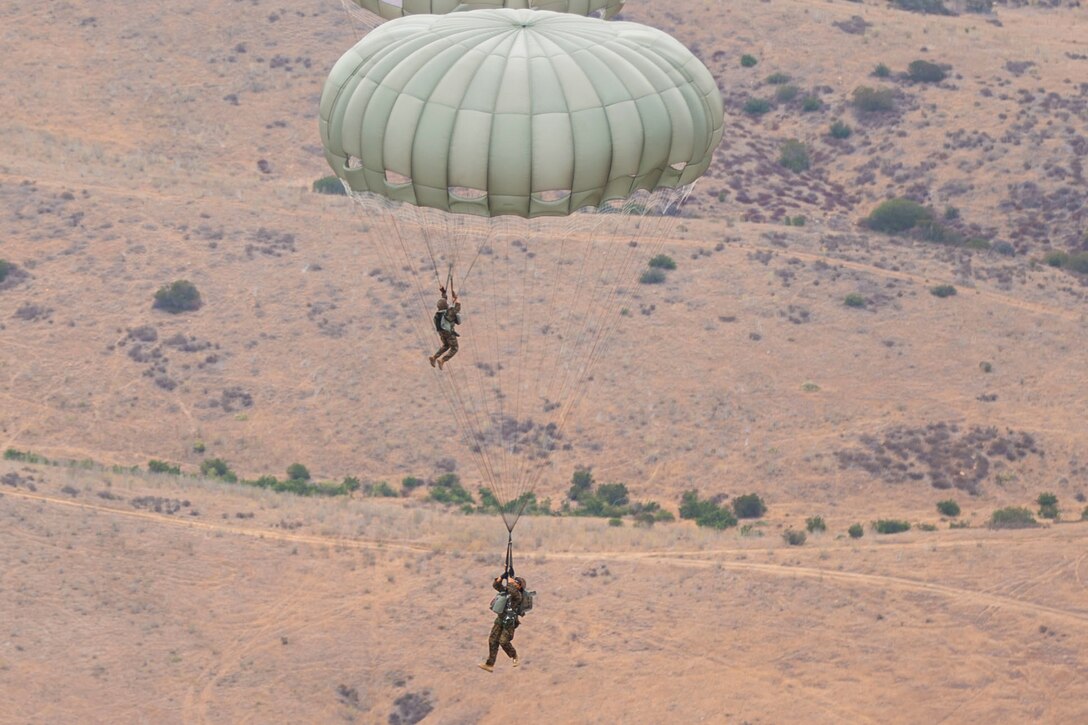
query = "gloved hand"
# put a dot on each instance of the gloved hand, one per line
(511, 570)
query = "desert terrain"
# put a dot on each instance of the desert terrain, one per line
(147, 143)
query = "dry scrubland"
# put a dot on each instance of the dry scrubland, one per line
(143, 144)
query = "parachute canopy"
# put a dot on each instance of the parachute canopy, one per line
(391, 9)
(518, 112)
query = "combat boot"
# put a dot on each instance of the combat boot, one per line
(486, 667)
(431, 360)
(516, 662)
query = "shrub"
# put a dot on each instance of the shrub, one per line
(581, 483)
(705, 512)
(929, 7)
(330, 185)
(1077, 261)
(794, 538)
(157, 466)
(922, 71)
(198, 447)
(891, 526)
(381, 489)
(178, 296)
(794, 156)
(613, 494)
(942, 290)
(978, 243)
(948, 507)
(298, 472)
(927, 527)
(882, 71)
(757, 106)
(447, 489)
(897, 215)
(663, 261)
(811, 103)
(217, 468)
(786, 93)
(778, 79)
(652, 276)
(350, 484)
(1047, 499)
(749, 506)
(1048, 512)
(748, 61)
(874, 100)
(1012, 517)
(410, 483)
(1005, 249)
(1084, 514)
(719, 518)
(5, 267)
(856, 531)
(614, 521)
(854, 300)
(814, 524)
(840, 130)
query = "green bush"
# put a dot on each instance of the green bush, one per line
(663, 261)
(749, 506)
(811, 103)
(613, 494)
(978, 243)
(178, 296)
(794, 156)
(942, 290)
(882, 71)
(330, 185)
(1049, 512)
(298, 472)
(447, 489)
(928, 7)
(719, 518)
(157, 466)
(794, 538)
(1012, 517)
(217, 468)
(1047, 499)
(705, 512)
(948, 507)
(927, 527)
(856, 531)
(840, 130)
(874, 100)
(581, 483)
(350, 484)
(5, 268)
(1077, 261)
(778, 79)
(854, 300)
(381, 489)
(614, 521)
(897, 215)
(922, 71)
(891, 526)
(1005, 249)
(757, 106)
(748, 61)
(652, 276)
(814, 524)
(786, 93)
(410, 483)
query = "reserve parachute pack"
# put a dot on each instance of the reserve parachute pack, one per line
(438, 320)
(498, 604)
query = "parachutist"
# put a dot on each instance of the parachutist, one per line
(445, 322)
(512, 600)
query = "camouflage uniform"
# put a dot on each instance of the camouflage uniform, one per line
(505, 624)
(450, 319)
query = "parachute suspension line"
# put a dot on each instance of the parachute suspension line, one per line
(509, 549)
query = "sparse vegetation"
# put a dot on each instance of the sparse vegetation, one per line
(786, 93)
(298, 472)
(380, 489)
(757, 106)
(854, 300)
(1048, 506)
(447, 489)
(778, 79)
(897, 215)
(793, 537)
(1012, 517)
(942, 290)
(948, 507)
(810, 104)
(856, 531)
(217, 468)
(874, 100)
(814, 524)
(840, 130)
(891, 526)
(178, 296)
(748, 61)
(5, 267)
(1084, 514)
(663, 261)
(922, 71)
(926, 7)
(329, 185)
(794, 156)
(882, 71)
(749, 506)
(1072, 261)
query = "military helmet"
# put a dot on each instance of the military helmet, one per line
(442, 304)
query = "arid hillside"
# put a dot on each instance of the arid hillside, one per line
(794, 352)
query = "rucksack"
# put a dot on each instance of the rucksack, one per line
(438, 320)
(526, 602)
